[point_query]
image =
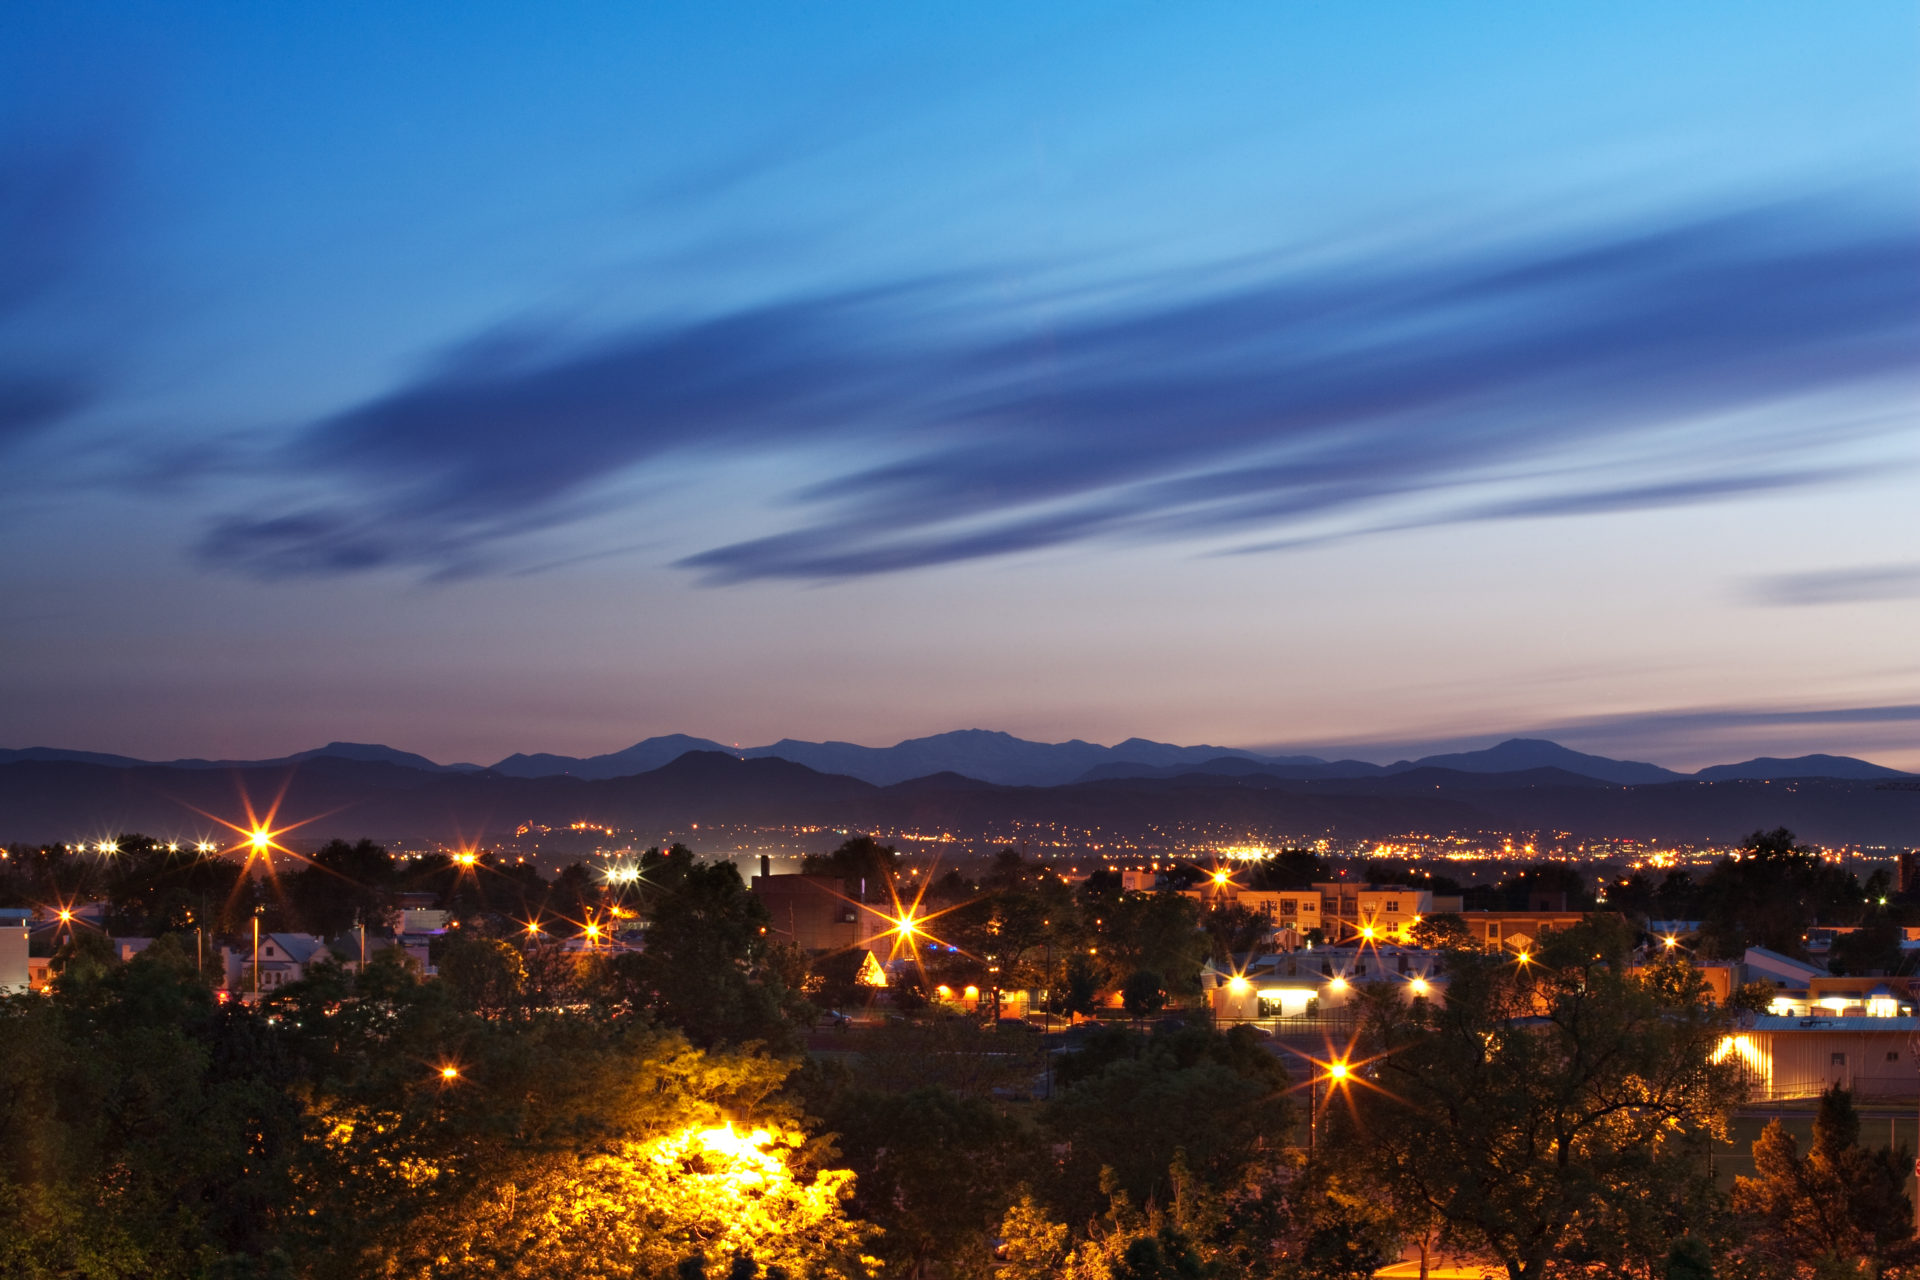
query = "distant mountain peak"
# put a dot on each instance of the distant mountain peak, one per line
(1769, 768)
(1516, 755)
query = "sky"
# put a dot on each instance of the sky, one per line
(493, 378)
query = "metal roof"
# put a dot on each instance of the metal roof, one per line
(1900, 1026)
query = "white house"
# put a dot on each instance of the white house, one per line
(284, 958)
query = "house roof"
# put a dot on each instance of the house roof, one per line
(1762, 958)
(301, 948)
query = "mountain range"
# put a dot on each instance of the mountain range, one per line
(1004, 760)
(332, 795)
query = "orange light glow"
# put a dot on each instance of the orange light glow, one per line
(449, 1073)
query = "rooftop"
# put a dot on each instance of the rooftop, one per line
(1769, 1022)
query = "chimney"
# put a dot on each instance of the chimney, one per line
(766, 867)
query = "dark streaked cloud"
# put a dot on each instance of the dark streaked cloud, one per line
(29, 403)
(1841, 586)
(51, 197)
(1740, 718)
(1248, 403)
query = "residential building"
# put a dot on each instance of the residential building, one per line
(1295, 909)
(1371, 912)
(1517, 930)
(285, 958)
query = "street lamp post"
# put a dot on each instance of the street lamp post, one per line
(1336, 1074)
(256, 955)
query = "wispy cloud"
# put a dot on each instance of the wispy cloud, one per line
(1680, 737)
(1249, 404)
(1841, 586)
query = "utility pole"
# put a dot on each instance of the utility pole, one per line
(1046, 1012)
(256, 954)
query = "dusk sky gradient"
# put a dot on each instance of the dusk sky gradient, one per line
(1357, 379)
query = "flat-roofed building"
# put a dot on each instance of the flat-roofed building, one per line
(1320, 982)
(1785, 1057)
(816, 914)
(16, 974)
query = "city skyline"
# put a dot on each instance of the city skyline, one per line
(1325, 382)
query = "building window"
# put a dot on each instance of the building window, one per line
(1287, 906)
(1393, 908)
(1839, 1059)
(1893, 1055)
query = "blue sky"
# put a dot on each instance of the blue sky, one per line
(541, 378)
